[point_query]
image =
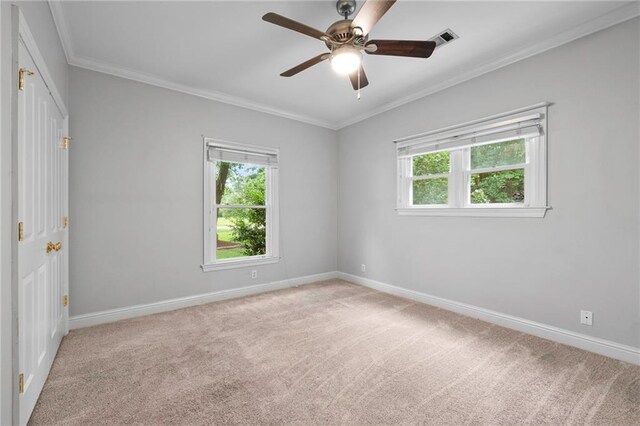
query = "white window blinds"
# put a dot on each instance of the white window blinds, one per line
(235, 155)
(523, 124)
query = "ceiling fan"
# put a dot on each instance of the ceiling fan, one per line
(347, 38)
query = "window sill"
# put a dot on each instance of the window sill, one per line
(538, 212)
(234, 264)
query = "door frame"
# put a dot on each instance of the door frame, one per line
(9, 15)
(15, 29)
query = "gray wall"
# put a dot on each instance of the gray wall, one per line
(136, 192)
(583, 255)
(41, 24)
(7, 324)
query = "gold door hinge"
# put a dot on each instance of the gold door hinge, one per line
(65, 142)
(65, 222)
(65, 300)
(21, 383)
(20, 231)
(21, 73)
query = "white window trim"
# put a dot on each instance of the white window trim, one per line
(535, 204)
(209, 211)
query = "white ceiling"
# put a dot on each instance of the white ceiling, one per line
(224, 51)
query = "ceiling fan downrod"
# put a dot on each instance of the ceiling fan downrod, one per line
(346, 8)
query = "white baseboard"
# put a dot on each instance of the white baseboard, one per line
(582, 341)
(111, 315)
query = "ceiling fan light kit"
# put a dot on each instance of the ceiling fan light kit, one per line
(345, 59)
(346, 39)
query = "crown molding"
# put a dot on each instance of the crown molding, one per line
(617, 16)
(118, 71)
(122, 72)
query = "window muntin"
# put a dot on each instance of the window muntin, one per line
(485, 168)
(241, 208)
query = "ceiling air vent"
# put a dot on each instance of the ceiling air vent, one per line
(444, 37)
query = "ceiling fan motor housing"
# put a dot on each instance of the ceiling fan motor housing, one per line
(342, 32)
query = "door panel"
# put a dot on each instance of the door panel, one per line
(42, 182)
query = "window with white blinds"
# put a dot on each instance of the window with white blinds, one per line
(220, 152)
(240, 205)
(490, 167)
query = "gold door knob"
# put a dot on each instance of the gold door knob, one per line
(53, 246)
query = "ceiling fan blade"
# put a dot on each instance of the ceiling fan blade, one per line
(370, 13)
(364, 82)
(280, 20)
(303, 66)
(409, 48)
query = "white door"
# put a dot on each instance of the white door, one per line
(42, 246)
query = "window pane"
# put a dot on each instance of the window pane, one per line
(430, 191)
(240, 184)
(431, 164)
(241, 232)
(498, 154)
(498, 187)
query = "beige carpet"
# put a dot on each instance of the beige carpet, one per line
(328, 353)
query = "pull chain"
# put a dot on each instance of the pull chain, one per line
(358, 83)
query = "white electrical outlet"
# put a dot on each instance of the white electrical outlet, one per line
(363, 267)
(254, 274)
(586, 317)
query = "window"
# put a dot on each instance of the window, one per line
(490, 167)
(241, 205)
